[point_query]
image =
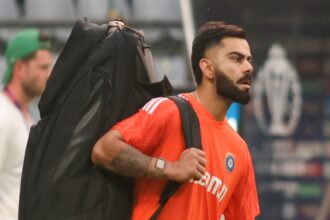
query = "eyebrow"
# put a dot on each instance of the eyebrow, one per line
(249, 58)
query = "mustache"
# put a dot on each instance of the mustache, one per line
(245, 79)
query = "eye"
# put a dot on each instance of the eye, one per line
(236, 59)
(44, 67)
(249, 59)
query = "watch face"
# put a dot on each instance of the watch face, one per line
(160, 163)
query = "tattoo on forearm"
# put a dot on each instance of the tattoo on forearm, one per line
(130, 162)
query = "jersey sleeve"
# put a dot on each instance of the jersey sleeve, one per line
(244, 202)
(146, 129)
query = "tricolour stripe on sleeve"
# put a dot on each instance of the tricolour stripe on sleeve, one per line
(151, 106)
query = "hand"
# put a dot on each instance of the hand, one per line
(191, 165)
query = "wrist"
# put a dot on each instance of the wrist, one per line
(160, 164)
(161, 168)
(169, 170)
(157, 167)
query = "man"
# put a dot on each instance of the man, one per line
(219, 181)
(29, 63)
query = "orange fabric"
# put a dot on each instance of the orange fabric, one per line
(228, 187)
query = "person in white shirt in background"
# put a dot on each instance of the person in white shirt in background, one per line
(29, 62)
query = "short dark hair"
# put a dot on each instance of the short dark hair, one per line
(209, 35)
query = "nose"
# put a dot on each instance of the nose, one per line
(248, 68)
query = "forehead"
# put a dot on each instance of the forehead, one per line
(231, 45)
(43, 55)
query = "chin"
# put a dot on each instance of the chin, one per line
(245, 100)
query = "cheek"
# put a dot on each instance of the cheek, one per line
(36, 76)
(41, 79)
(231, 73)
(234, 74)
(230, 69)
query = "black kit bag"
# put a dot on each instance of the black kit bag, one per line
(102, 76)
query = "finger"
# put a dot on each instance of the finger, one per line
(202, 161)
(198, 152)
(197, 176)
(200, 169)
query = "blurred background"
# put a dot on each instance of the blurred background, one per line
(287, 124)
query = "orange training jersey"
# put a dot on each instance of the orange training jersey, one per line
(227, 189)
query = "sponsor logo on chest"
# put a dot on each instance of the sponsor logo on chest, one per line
(214, 184)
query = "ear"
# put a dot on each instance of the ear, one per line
(19, 69)
(207, 68)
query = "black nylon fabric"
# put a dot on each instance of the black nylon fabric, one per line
(98, 79)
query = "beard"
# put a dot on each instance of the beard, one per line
(226, 88)
(32, 89)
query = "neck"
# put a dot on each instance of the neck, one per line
(19, 98)
(215, 104)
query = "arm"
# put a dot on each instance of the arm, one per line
(111, 152)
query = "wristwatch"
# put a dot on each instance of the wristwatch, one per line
(160, 165)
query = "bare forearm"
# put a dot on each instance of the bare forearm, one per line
(114, 154)
(130, 162)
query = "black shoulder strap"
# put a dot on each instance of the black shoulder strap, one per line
(189, 122)
(190, 126)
